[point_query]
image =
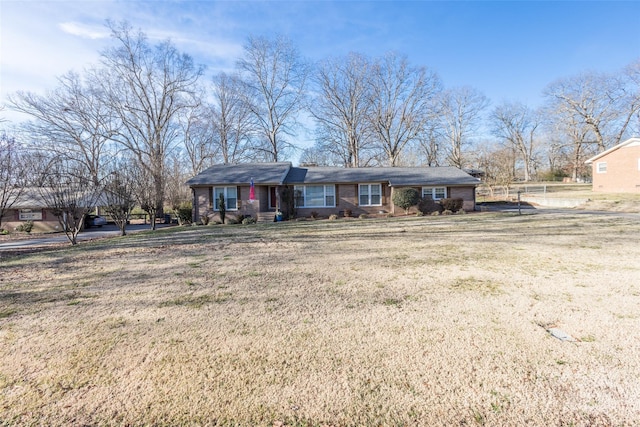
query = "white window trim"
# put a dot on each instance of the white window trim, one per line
(369, 194)
(226, 189)
(432, 190)
(324, 196)
(601, 167)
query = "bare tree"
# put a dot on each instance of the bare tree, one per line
(72, 121)
(428, 144)
(276, 80)
(573, 135)
(342, 107)
(632, 83)
(605, 103)
(516, 124)
(403, 100)
(199, 137)
(118, 195)
(13, 174)
(498, 164)
(460, 116)
(233, 121)
(66, 187)
(148, 86)
(178, 193)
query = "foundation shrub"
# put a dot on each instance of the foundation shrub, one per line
(333, 217)
(183, 212)
(427, 205)
(348, 213)
(452, 204)
(405, 198)
(248, 220)
(314, 214)
(26, 227)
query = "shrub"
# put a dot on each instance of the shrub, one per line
(435, 213)
(4, 232)
(452, 204)
(427, 205)
(419, 213)
(333, 217)
(314, 214)
(348, 213)
(222, 207)
(362, 216)
(447, 212)
(405, 198)
(26, 227)
(248, 220)
(184, 212)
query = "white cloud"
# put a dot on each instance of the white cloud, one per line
(82, 30)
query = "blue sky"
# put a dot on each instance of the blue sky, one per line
(509, 50)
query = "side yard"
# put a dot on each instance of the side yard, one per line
(405, 321)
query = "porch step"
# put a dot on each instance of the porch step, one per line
(266, 217)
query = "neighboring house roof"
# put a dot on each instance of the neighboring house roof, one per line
(628, 143)
(240, 174)
(30, 198)
(284, 173)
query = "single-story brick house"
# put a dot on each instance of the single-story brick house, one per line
(323, 190)
(617, 170)
(30, 207)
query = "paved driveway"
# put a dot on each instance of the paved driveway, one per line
(108, 230)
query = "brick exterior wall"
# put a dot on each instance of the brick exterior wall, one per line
(622, 171)
(346, 200)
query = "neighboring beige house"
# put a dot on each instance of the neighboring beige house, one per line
(617, 170)
(320, 190)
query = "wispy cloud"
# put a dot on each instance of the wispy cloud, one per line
(82, 30)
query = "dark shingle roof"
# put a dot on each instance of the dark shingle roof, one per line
(241, 174)
(396, 177)
(284, 173)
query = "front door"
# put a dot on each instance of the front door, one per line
(273, 200)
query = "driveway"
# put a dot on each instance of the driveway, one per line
(109, 230)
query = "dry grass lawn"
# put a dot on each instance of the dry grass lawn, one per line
(392, 322)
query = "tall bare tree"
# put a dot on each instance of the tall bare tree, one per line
(147, 87)
(199, 137)
(13, 173)
(632, 83)
(460, 116)
(403, 99)
(342, 107)
(233, 122)
(516, 124)
(71, 121)
(605, 103)
(276, 79)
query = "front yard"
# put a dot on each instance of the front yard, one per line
(402, 321)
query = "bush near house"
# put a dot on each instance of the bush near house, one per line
(452, 204)
(405, 198)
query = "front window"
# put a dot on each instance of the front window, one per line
(601, 167)
(314, 196)
(370, 194)
(230, 197)
(434, 193)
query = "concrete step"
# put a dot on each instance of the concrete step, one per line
(266, 217)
